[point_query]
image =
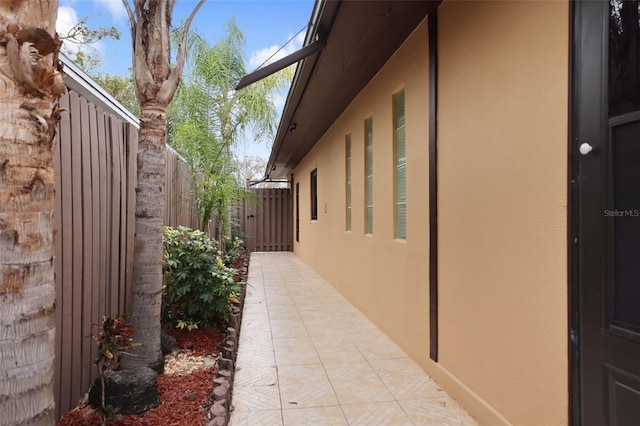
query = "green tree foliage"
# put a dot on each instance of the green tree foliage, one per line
(208, 118)
(121, 88)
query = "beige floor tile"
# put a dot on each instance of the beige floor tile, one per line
(443, 412)
(255, 355)
(255, 297)
(256, 418)
(303, 386)
(405, 379)
(256, 397)
(340, 307)
(304, 350)
(260, 322)
(387, 413)
(277, 290)
(295, 351)
(327, 323)
(281, 328)
(280, 300)
(314, 313)
(284, 312)
(357, 383)
(337, 351)
(252, 375)
(255, 336)
(255, 310)
(377, 347)
(329, 416)
(325, 335)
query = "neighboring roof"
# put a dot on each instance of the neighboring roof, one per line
(360, 38)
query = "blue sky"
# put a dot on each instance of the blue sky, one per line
(265, 24)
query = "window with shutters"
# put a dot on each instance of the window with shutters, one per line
(314, 194)
(368, 170)
(348, 181)
(400, 172)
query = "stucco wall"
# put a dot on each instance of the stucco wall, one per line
(383, 277)
(503, 97)
(503, 100)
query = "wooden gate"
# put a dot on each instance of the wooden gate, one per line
(267, 223)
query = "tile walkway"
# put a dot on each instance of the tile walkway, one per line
(308, 357)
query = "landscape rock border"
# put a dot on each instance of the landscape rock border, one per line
(219, 412)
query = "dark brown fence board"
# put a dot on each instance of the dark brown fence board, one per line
(76, 214)
(95, 227)
(65, 297)
(122, 261)
(114, 228)
(169, 176)
(87, 243)
(132, 146)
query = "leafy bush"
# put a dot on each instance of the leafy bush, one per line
(198, 288)
(233, 248)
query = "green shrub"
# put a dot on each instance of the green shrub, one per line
(233, 248)
(198, 288)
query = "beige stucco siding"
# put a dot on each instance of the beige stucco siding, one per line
(502, 143)
(385, 278)
(503, 100)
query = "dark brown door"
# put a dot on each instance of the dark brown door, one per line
(606, 212)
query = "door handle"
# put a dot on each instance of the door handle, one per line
(585, 148)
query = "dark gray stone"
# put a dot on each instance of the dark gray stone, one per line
(225, 364)
(220, 380)
(167, 343)
(132, 391)
(227, 352)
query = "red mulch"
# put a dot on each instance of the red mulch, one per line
(183, 399)
(201, 341)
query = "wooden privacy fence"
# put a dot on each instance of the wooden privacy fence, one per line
(95, 165)
(267, 224)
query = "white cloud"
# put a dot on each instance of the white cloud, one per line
(272, 54)
(115, 8)
(67, 19)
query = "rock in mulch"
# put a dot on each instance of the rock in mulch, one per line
(127, 391)
(167, 343)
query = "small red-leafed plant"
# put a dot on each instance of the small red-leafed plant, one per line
(113, 337)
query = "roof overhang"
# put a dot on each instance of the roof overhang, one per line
(359, 37)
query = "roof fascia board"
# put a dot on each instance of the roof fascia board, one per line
(276, 66)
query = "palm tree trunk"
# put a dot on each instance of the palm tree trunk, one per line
(28, 120)
(156, 82)
(146, 295)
